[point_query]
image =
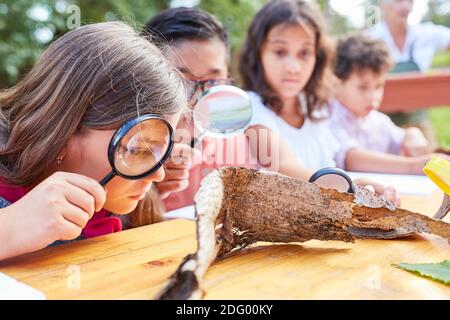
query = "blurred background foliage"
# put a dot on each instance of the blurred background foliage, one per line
(28, 26)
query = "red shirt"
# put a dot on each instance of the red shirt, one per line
(101, 223)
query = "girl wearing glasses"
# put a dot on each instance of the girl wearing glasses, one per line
(199, 49)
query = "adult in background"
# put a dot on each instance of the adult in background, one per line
(413, 49)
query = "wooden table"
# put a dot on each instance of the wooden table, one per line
(135, 264)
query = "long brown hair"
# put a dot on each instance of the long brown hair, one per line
(275, 13)
(96, 76)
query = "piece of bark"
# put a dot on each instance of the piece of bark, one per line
(236, 207)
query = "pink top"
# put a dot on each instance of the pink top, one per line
(101, 223)
(216, 153)
(375, 132)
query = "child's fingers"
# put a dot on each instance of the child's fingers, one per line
(418, 151)
(167, 187)
(76, 216)
(80, 198)
(90, 186)
(68, 230)
(377, 187)
(183, 156)
(391, 194)
(177, 174)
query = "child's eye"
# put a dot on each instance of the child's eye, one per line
(305, 54)
(280, 52)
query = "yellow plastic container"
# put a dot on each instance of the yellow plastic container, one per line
(438, 170)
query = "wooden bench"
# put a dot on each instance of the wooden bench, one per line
(412, 91)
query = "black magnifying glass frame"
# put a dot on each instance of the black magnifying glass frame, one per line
(336, 171)
(118, 136)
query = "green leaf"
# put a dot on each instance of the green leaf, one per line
(436, 271)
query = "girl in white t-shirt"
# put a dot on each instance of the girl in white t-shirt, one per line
(313, 145)
(284, 65)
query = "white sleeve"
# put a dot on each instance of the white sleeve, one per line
(345, 143)
(343, 139)
(397, 137)
(438, 35)
(261, 114)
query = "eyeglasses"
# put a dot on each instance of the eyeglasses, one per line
(199, 88)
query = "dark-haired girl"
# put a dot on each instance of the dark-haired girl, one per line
(285, 65)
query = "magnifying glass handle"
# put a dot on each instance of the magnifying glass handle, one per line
(108, 178)
(443, 209)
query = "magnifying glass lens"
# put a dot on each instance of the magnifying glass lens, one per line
(142, 147)
(333, 181)
(222, 112)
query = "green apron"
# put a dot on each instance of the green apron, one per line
(408, 118)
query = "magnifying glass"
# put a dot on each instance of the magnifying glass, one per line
(139, 148)
(223, 111)
(438, 170)
(333, 178)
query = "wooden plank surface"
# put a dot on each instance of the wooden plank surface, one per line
(135, 264)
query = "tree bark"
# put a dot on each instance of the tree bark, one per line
(236, 207)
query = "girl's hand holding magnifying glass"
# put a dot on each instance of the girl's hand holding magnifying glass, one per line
(62, 205)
